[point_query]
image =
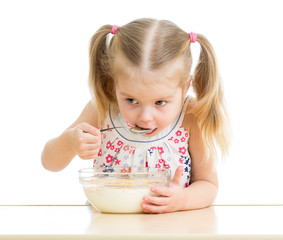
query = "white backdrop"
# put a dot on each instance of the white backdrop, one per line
(43, 88)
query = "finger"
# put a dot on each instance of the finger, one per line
(163, 191)
(84, 149)
(87, 128)
(89, 155)
(83, 157)
(92, 153)
(91, 139)
(156, 200)
(149, 208)
(92, 147)
(177, 179)
(85, 137)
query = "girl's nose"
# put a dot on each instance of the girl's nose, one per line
(146, 115)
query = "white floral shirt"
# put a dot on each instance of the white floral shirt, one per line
(122, 148)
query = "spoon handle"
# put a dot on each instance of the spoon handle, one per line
(106, 129)
(131, 130)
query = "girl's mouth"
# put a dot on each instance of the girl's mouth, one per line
(146, 131)
(151, 132)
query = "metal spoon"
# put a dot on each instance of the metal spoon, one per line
(133, 130)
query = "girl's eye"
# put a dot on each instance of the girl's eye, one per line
(132, 101)
(160, 103)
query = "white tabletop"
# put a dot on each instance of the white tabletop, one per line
(83, 222)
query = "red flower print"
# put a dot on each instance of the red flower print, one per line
(100, 153)
(181, 160)
(183, 139)
(112, 147)
(117, 162)
(104, 135)
(117, 149)
(170, 139)
(176, 140)
(167, 166)
(152, 148)
(109, 158)
(94, 161)
(126, 170)
(186, 185)
(186, 134)
(108, 145)
(157, 166)
(120, 143)
(132, 151)
(108, 128)
(126, 148)
(161, 161)
(160, 150)
(178, 133)
(146, 164)
(182, 150)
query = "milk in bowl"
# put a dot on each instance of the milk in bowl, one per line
(120, 190)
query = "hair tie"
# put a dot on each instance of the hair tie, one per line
(193, 37)
(114, 29)
(110, 35)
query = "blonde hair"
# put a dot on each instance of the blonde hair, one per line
(157, 43)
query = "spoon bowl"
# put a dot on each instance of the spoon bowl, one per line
(141, 131)
(133, 130)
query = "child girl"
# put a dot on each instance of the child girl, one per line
(139, 78)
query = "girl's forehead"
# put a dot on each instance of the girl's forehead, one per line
(150, 89)
(172, 73)
(149, 86)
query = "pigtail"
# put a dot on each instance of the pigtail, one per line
(210, 108)
(100, 78)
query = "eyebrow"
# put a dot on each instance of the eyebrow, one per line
(156, 99)
(125, 94)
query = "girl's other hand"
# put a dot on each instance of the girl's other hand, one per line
(170, 198)
(85, 140)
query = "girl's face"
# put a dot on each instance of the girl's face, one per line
(151, 99)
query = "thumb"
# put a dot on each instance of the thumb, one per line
(177, 179)
(87, 128)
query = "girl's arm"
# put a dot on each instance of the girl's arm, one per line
(204, 182)
(203, 188)
(80, 138)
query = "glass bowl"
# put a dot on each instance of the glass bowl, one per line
(120, 190)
